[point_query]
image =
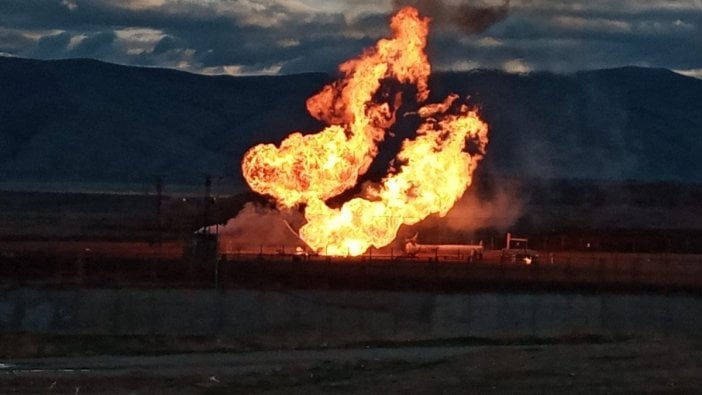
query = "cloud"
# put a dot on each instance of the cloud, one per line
(590, 24)
(696, 73)
(95, 45)
(459, 65)
(13, 41)
(53, 44)
(64, 44)
(140, 4)
(140, 40)
(70, 4)
(250, 36)
(467, 17)
(517, 66)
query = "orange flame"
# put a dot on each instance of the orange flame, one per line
(312, 168)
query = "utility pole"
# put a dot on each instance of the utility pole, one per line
(206, 203)
(159, 204)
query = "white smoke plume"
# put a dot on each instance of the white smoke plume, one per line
(258, 228)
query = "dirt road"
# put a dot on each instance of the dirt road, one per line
(662, 365)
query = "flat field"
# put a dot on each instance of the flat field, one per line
(531, 366)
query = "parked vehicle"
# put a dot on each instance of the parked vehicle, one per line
(517, 251)
(469, 252)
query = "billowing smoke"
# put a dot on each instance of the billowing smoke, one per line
(500, 211)
(257, 228)
(495, 211)
(466, 17)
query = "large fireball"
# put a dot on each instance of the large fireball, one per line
(312, 168)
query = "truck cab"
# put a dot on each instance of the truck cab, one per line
(517, 251)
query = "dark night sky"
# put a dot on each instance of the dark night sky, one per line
(289, 36)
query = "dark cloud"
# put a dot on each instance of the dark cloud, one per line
(95, 45)
(472, 19)
(167, 43)
(13, 41)
(98, 45)
(52, 45)
(465, 16)
(197, 36)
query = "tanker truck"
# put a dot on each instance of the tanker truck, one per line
(466, 252)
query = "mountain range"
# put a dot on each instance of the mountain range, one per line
(82, 120)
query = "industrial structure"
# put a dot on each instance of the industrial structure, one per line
(467, 252)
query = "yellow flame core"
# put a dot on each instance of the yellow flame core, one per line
(309, 169)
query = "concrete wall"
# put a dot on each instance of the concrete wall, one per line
(307, 318)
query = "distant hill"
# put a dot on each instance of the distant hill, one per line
(626, 123)
(87, 121)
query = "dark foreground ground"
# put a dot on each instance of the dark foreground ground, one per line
(645, 238)
(586, 365)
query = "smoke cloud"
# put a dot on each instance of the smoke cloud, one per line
(257, 228)
(495, 209)
(500, 211)
(468, 18)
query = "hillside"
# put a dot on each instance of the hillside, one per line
(83, 120)
(87, 121)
